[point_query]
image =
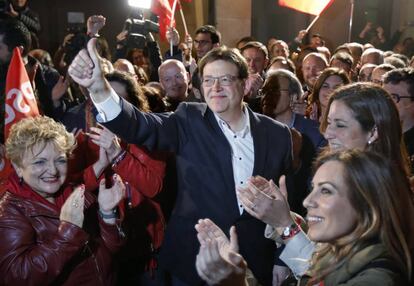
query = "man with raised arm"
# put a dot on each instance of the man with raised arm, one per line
(218, 145)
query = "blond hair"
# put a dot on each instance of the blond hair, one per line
(29, 132)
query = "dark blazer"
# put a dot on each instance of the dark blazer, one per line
(205, 180)
(310, 128)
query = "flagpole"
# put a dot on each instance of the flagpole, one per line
(184, 22)
(312, 23)
(351, 20)
(171, 25)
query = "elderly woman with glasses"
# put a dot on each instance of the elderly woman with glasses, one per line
(53, 232)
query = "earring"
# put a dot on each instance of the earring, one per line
(20, 181)
(369, 142)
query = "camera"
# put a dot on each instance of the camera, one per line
(138, 29)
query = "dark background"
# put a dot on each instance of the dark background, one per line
(268, 18)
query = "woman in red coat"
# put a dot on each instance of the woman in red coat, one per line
(51, 232)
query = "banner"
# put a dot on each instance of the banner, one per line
(163, 9)
(314, 7)
(20, 101)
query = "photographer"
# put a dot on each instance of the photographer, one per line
(20, 10)
(136, 40)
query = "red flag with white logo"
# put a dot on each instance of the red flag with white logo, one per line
(20, 100)
(314, 7)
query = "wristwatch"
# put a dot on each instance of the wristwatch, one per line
(290, 231)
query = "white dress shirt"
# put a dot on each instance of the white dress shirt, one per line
(242, 151)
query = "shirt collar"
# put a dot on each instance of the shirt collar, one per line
(246, 124)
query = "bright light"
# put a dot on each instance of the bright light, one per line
(144, 4)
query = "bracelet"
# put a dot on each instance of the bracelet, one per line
(290, 231)
(118, 159)
(113, 214)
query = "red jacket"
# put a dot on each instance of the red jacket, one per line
(38, 249)
(144, 172)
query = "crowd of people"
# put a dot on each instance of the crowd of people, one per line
(264, 164)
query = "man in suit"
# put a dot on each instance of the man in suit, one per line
(218, 145)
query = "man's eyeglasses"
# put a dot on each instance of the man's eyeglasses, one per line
(397, 97)
(201, 42)
(224, 80)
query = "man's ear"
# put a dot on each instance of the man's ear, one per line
(216, 45)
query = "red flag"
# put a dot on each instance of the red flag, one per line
(163, 9)
(20, 100)
(314, 7)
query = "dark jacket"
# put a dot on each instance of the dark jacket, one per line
(205, 180)
(310, 128)
(39, 249)
(31, 20)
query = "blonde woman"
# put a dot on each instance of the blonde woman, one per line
(53, 233)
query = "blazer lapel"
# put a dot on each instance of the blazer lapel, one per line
(224, 153)
(260, 143)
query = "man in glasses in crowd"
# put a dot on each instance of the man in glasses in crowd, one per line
(207, 37)
(400, 84)
(218, 145)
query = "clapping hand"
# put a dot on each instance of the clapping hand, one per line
(109, 198)
(265, 201)
(218, 261)
(72, 209)
(104, 138)
(253, 83)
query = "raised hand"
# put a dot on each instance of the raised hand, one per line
(104, 138)
(72, 209)
(12, 12)
(253, 83)
(301, 35)
(86, 70)
(94, 24)
(267, 204)
(172, 35)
